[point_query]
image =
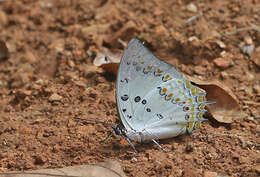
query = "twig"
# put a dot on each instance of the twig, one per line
(251, 102)
(195, 17)
(252, 27)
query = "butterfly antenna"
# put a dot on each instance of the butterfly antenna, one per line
(160, 147)
(107, 138)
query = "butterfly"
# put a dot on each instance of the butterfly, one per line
(154, 100)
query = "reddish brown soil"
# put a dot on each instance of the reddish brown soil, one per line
(48, 43)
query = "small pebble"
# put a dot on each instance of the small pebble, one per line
(193, 38)
(248, 40)
(55, 97)
(210, 174)
(256, 89)
(89, 53)
(224, 75)
(134, 159)
(248, 49)
(222, 63)
(220, 44)
(192, 8)
(189, 147)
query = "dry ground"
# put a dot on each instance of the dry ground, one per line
(56, 108)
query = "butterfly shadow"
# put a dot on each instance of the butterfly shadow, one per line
(109, 76)
(118, 149)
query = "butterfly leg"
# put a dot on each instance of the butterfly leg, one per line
(160, 147)
(131, 144)
(122, 132)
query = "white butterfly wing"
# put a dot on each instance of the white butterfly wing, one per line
(129, 68)
(153, 98)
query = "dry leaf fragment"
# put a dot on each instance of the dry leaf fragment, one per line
(105, 169)
(226, 109)
(108, 61)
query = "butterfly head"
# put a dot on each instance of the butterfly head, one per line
(119, 130)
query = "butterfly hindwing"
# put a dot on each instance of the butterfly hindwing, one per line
(153, 98)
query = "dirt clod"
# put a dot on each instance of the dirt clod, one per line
(55, 97)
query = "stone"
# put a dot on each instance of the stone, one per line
(224, 75)
(200, 70)
(248, 40)
(256, 56)
(189, 147)
(134, 160)
(30, 57)
(220, 44)
(257, 168)
(191, 172)
(256, 89)
(3, 18)
(192, 8)
(55, 97)
(248, 49)
(222, 63)
(210, 174)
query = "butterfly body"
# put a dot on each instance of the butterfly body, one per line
(154, 100)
